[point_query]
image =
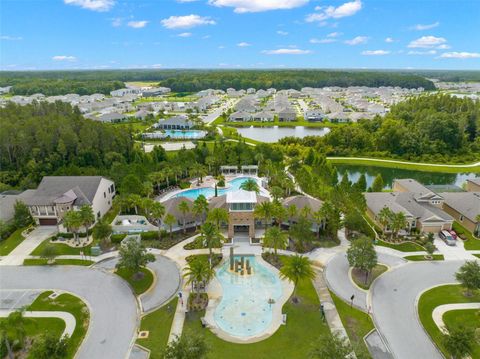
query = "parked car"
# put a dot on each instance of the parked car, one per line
(453, 234)
(447, 238)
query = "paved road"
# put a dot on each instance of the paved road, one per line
(210, 117)
(394, 306)
(166, 285)
(113, 309)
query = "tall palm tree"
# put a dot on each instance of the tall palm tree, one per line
(196, 272)
(250, 185)
(200, 207)
(72, 220)
(14, 325)
(318, 217)
(217, 216)
(157, 211)
(170, 220)
(264, 210)
(184, 208)
(291, 213)
(134, 201)
(276, 192)
(275, 238)
(384, 217)
(295, 269)
(88, 218)
(145, 205)
(211, 236)
(399, 222)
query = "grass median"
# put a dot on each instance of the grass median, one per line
(139, 284)
(402, 247)
(43, 262)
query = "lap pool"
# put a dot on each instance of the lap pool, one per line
(244, 310)
(208, 192)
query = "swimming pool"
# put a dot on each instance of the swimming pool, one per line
(187, 134)
(208, 192)
(244, 309)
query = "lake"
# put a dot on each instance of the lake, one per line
(275, 133)
(389, 174)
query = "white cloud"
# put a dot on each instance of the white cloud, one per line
(221, 47)
(389, 40)
(185, 34)
(375, 52)
(460, 55)
(10, 38)
(429, 52)
(116, 22)
(334, 34)
(283, 33)
(286, 52)
(443, 47)
(206, 37)
(243, 6)
(332, 12)
(243, 44)
(322, 41)
(357, 40)
(137, 24)
(426, 42)
(421, 27)
(185, 1)
(187, 21)
(95, 5)
(156, 66)
(63, 58)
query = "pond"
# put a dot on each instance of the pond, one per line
(390, 174)
(275, 133)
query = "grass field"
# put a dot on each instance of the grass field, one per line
(10, 243)
(139, 286)
(359, 276)
(62, 249)
(471, 243)
(435, 257)
(42, 262)
(434, 297)
(393, 163)
(158, 323)
(66, 303)
(402, 247)
(469, 318)
(293, 340)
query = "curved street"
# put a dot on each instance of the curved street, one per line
(113, 307)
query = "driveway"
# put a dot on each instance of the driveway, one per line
(113, 308)
(394, 296)
(32, 241)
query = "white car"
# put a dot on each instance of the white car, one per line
(447, 238)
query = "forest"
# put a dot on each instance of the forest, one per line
(434, 128)
(87, 82)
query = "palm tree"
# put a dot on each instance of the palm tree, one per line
(218, 215)
(134, 201)
(211, 236)
(264, 210)
(291, 213)
(200, 207)
(295, 269)
(184, 208)
(275, 238)
(384, 217)
(399, 222)
(14, 324)
(157, 211)
(145, 205)
(250, 185)
(279, 213)
(73, 220)
(88, 218)
(276, 192)
(318, 218)
(196, 272)
(170, 220)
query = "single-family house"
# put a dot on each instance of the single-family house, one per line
(473, 184)
(287, 114)
(180, 122)
(8, 200)
(263, 116)
(314, 115)
(155, 91)
(465, 208)
(240, 116)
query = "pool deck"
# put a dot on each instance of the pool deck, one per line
(215, 292)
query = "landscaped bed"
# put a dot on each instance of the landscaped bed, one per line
(66, 303)
(140, 282)
(304, 326)
(357, 323)
(435, 257)
(43, 261)
(198, 243)
(359, 275)
(61, 248)
(469, 318)
(158, 334)
(446, 294)
(402, 247)
(471, 243)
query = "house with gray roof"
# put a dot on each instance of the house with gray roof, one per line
(465, 208)
(8, 200)
(263, 116)
(57, 195)
(287, 114)
(473, 184)
(240, 116)
(180, 122)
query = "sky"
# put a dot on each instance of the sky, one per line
(110, 34)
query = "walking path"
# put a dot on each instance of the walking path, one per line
(439, 311)
(68, 318)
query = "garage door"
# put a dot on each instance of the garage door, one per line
(48, 221)
(432, 229)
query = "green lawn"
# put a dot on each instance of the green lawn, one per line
(42, 262)
(230, 132)
(435, 257)
(10, 243)
(62, 248)
(198, 243)
(402, 164)
(304, 326)
(35, 327)
(471, 243)
(359, 276)
(66, 303)
(111, 214)
(434, 297)
(357, 323)
(139, 286)
(469, 318)
(403, 247)
(158, 323)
